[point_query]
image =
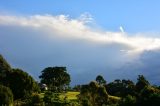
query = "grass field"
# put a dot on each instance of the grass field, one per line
(68, 95)
(73, 96)
(114, 97)
(41, 95)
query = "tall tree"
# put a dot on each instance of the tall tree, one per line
(121, 88)
(21, 84)
(5, 68)
(100, 80)
(93, 95)
(55, 77)
(141, 83)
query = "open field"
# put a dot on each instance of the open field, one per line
(68, 95)
(73, 96)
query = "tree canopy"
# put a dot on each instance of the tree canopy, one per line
(93, 94)
(55, 77)
(4, 66)
(121, 88)
(141, 83)
(22, 84)
(4, 69)
(6, 96)
(100, 80)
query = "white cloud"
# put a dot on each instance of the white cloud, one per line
(78, 29)
(35, 42)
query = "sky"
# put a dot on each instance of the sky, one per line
(117, 39)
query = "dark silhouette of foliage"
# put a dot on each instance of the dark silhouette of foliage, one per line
(6, 96)
(141, 83)
(4, 69)
(100, 80)
(77, 88)
(149, 96)
(93, 94)
(35, 100)
(128, 101)
(4, 66)
(21, 84)
(55, 77)
(121, 88)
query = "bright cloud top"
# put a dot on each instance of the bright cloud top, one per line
(79, 28)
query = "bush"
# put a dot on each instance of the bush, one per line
(154, 99)
(51, 98)
(6, 96)
(93, 94)
(26, 84)
(128, 101)
(113, 100)
(36, 100)
(149, 96)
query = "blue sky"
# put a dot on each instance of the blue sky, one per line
(134, 16)
(118, 39)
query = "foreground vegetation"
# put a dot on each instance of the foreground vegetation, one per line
(18, 88)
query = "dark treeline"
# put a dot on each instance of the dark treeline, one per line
(120, 93)
(18, 88)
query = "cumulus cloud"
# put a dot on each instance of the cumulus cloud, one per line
(35, 42)
(78, 29)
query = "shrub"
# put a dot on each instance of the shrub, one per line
(93, 94)
(36, 100)
(128, 101)
(6, 96)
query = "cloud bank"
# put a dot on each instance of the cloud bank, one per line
(35, 42)
(77, 29)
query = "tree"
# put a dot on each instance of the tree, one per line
(4, 69)
(34, 100)
(21, 84)
(128, 101)
(121, 88)
(4, 66)
(154, 100)
(55, 77)
(77, 88)
(93, 95)
(100, 80)
(149, 96)
(141, 83)
(6, 96)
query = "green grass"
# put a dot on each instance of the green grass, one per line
(114, 97)
(41, 95)
(73, 96)
(69, 95)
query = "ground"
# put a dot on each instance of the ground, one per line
(70, 95)
(73, 96)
